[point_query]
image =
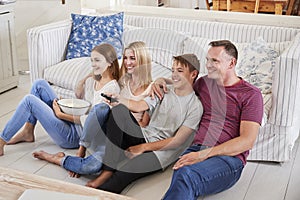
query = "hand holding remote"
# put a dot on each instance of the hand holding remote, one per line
(111, 99)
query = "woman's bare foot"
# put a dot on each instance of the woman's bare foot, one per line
(2, 144)
(52, 158)
(102, 178)
(25, 135)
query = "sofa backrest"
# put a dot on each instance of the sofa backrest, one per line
(197, 34)
(220, 30)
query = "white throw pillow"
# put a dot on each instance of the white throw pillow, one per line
(199, 47)
(66, 74)
(162, 44)
(277, 46)
(256, 64)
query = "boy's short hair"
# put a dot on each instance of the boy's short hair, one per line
(190, 60)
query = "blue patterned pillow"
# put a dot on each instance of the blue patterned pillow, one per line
(89, 31)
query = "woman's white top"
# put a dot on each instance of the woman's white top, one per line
(127, 93)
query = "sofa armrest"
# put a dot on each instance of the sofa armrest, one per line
(285, 88)
(47, 46)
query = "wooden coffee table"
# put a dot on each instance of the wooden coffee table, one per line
(13, 183)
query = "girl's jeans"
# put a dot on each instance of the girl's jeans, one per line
(211, 176)
(38, 106)
(94, 139)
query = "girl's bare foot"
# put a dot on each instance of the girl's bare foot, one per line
(25, 135)
(102, 178)
(81, 152)
(52, 158)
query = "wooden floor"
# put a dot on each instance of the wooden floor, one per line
(259, 181)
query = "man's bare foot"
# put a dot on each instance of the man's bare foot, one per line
(102, 178)
(2, 144)
(52, 158)
(25, 135)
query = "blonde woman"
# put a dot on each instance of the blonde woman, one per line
(136, 76)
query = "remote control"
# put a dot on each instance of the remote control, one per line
(111, 99)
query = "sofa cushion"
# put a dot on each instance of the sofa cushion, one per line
(256, 64)
(66, 74)
(89, 31)
(198, 46)
(277, 46)
(162, 44)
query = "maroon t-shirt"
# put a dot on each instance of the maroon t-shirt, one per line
(224, 109)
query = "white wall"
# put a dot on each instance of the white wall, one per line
(96, 3)
(168, 3)
(30, 13)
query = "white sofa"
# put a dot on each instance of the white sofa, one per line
(167, 36)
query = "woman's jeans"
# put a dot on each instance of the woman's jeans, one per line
(94, 139)
(38, 106)
(211, 176)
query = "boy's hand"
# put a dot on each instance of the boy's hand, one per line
(156, 88)
(134, 151)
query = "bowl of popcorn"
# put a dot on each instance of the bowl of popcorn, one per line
(74, 106)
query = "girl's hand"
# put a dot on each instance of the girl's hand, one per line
(56, 108)
(79, 90)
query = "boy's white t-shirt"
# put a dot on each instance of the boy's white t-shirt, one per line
(167, 116)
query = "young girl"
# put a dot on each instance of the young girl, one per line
(135, 84)
(41, 104)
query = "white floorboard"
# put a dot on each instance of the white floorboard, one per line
(293, 191)
(259, 181)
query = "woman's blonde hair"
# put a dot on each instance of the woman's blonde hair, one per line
(111, 57)
(143, 60)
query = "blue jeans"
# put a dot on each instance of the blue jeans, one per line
(211, 176)
(88, 165)
(95, 127)
(38, 106)
(94, 138)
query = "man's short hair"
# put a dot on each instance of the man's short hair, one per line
(229, 47)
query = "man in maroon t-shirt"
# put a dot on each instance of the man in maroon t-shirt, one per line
(233, 111)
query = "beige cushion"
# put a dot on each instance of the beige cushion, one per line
(66, 74)
(256, 64)
(199, 47)
(162, 44)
